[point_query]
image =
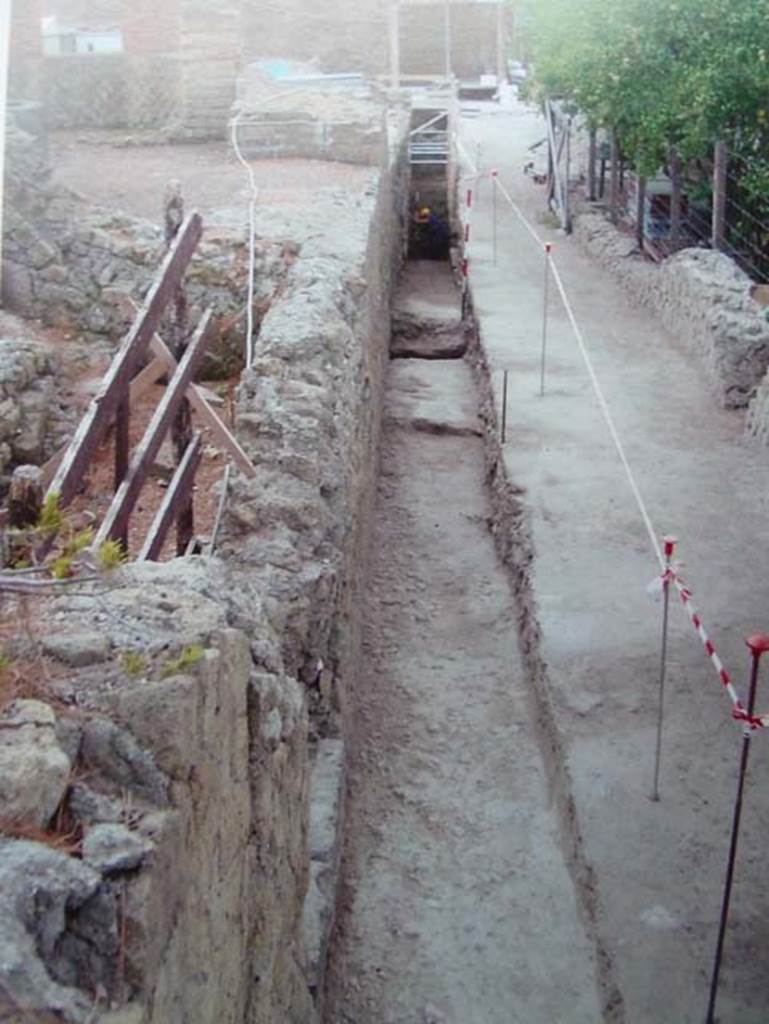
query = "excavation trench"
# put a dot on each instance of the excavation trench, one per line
(456, 902)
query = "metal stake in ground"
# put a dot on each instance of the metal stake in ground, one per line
(548, 247)
(670, 543)
(758, 645)
(494, 215)
(504, 407)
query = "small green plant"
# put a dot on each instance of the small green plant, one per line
(61, 567)
(50, 519)
(134, 663)
(5, 661)
(111, 555)
(79, 542)
(188, 657)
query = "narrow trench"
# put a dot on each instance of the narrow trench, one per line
(456, 902)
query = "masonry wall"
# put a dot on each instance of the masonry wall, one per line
(701, 296)
(191, 784)
(473, 34)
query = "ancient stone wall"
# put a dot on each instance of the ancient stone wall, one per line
(193, 696)
(701, 296)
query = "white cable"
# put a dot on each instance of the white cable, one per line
(251, 242)
(593, 378)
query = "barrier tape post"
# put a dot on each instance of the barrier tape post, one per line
(758, 645)
(494, 175)
(669, 548)
(504, 406)
(548, 247)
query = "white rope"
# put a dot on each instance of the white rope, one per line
(251, 242)
(265, 102)
(593, 378)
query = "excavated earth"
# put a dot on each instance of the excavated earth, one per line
(456, 903)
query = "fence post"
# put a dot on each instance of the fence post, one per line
(758, 645)
(504, 407)
(548, 247)
(567, 173)
(592, 156)
(670, 544)
(675, 199)
(614, 180)
(640, 216)
(719, 195)
(494, 215)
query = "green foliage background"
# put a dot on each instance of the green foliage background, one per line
(662, 73)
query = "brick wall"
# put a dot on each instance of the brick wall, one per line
(344, 35)
(473, 39)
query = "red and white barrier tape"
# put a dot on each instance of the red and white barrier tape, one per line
(739, 712)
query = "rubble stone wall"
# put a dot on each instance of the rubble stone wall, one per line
(189, 779)
(701, 296)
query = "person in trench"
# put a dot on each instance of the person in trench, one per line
(432, 233)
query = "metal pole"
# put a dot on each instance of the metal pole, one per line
(504, 406)
(719, 196)
(670, 543)
(5, 40)
(758, 645)
(494, 215)
(548, 247)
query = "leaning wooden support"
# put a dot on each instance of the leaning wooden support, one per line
(119, 512)
(178, 493)
(164, 362)
(102, 410)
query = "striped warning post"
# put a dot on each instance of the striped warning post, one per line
(739, 712)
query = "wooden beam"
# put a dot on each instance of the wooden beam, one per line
(150, 375)
(119, 512)
(101, 412)
(164, 362)
(177, 495)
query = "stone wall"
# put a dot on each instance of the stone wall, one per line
(188, 774)
(701, 296)
(75, 267)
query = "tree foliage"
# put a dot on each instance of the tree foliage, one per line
(662, 73)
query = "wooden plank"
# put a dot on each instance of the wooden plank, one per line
(718, 235)
(122, 505)
(150, 375)
(164, 362)
(179, 491)
(100, 413)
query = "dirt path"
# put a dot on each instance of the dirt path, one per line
(656, 868)
(457, 906)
